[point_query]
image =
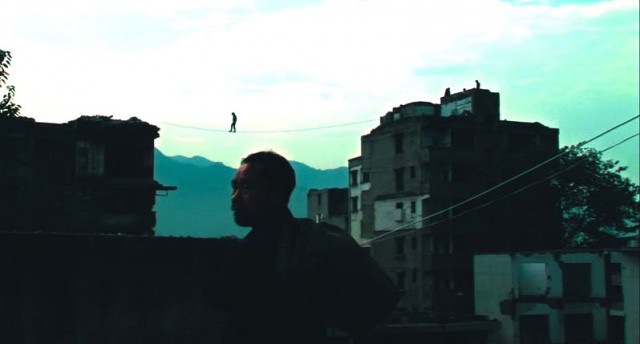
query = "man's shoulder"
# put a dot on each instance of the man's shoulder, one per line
(326, 239)
(329, 231)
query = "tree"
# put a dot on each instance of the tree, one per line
(597, 203)
(8, 109)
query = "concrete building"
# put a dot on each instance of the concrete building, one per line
(423, 159)
(90, 175)
(328, 205)
(561, 296)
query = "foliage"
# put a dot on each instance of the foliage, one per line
(598, 204)
(8, 109)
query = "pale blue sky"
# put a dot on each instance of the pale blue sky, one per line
(284, 65)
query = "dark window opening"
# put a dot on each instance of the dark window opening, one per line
(534, 329)
(398, 141)
(446, 173)
(615, 329)
(462, 138)
(412, 172)
(578, 328)
(353, 178)
(354, 204)
(400, 279)
(400, 246)
(424, 172)
(463, 173)
(365, 177)
(399, 178)
(576, 279)
(615, 282)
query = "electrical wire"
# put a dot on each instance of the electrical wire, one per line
(270, 131)
(579, 145)
(553, 175)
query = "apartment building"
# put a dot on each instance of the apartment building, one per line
(421, 194)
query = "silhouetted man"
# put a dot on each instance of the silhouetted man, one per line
(234, 119)
(477, 84)
(292, 276)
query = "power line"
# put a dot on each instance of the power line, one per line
(581, 144)
(270, 131)
(557, 173)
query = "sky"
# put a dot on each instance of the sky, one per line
(287, 66)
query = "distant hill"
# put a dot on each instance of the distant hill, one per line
(201, 205)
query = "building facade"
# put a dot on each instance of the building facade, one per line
(328, 205)
(90, 175)
(561, 296)
(421, 197)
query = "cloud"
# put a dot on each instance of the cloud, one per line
(313, 63)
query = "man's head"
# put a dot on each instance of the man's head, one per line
(261, 186)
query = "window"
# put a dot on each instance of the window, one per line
(413, 207)
(462, 138)
(365, 177)
(412, 172)
(444, 245)
(424, 172)
(615, 329)
(414, 276)
(578, 328)
(89, 158)
(427, 244)
(532, 279)
(399, 212)
(398, 142)
(446, 173)
(399, 177)
(534, 329)
(414, 243)
(576, 280)
(354, 204)
(399, 246)
(353, 178)
(319, 197)
(615, 282)
(464, 172)
(400, 279)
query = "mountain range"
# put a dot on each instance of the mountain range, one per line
(201, 207)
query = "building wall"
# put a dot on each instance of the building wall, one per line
(109, 289)
(630, 261)
(93, 174)
(564, 294)
(328, 205)
(438, 159)
(493, 280)
(359, 184)
(398, 212)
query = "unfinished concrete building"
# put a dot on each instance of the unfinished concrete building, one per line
(588, 296)
(90, 175)
(423, 159)
(328, 205)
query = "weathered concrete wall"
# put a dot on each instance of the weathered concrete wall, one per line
(108, 289)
